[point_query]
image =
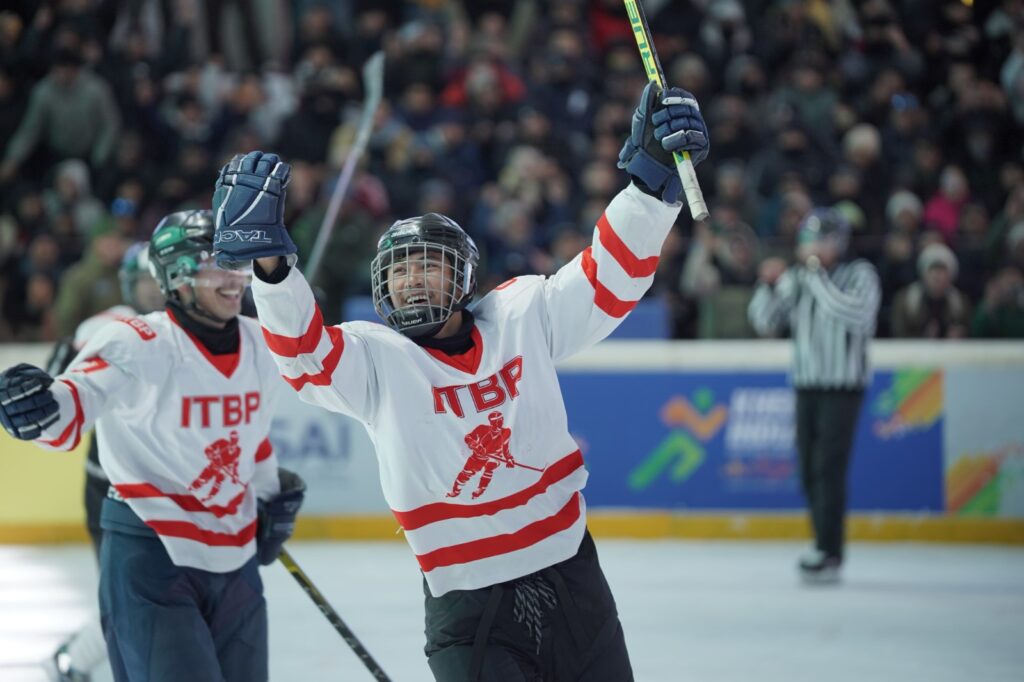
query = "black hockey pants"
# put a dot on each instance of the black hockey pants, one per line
(556, 625)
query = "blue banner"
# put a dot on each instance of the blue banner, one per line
(726, 441)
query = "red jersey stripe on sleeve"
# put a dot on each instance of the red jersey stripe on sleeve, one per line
(190, 531)
(613, 244)
(74, 427)
(442, 511)
(323, 377)
(264, 451)
(503, 544)
(294, 346)
(603, 297)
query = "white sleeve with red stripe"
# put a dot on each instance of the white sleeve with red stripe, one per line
(589, 296)
(327, 366)
(101, 372)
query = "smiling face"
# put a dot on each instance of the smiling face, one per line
(218, 291)
(421, 278)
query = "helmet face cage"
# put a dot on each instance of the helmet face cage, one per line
(424, 306)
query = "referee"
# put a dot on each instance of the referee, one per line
(828, 306)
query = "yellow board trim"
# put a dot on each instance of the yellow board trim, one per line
(638, 525)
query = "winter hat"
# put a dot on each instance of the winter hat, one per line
(937, 254)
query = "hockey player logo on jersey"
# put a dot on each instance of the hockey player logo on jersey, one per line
(223, 455)
(489, 445)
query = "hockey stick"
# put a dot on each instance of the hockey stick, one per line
(644, 41)
(332, 616)
(373, 81)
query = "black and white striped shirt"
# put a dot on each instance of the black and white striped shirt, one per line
(830, 315)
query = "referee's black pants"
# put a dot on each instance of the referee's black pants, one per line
(826, 421)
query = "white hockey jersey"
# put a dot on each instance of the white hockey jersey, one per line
(439, 420)
(182, 434)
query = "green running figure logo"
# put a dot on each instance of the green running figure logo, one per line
(681, 452)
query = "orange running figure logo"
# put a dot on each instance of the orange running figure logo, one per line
(489, 445)
(223, 456)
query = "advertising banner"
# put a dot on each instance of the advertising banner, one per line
(984, 444)
(334, 455)
(725, 440)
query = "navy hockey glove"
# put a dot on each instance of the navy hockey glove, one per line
(26, 404)
(664, 122)
(248, 206)
(276, 516)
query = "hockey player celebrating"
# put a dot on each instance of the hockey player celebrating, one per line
(76, 658)
(180, 593)
(514, 588)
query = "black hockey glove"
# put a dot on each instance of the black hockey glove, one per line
(26, 404)
(276, 516)
(664, 122)
(248, 207)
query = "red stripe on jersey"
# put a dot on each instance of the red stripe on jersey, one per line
(634, 267)
(323, 377)
(74, 427)
(294, 346)
(264, 451)
(190, 531)
(134, 491)
(503, 544)
(442, 511)
(603, 297)
(91, 364)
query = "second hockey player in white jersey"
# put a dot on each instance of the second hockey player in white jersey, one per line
(463, 404)
(182, 401)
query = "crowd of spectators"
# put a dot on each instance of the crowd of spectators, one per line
(508, 116)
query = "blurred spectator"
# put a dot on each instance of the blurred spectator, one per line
(873, 107)
(71, 112)
(720, 273)
(72, 195)
(1001, 312)
(932, 307)
(942, 212)
(91, 285)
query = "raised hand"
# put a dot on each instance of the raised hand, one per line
(26, 404)
(248, 207)
(664, 122)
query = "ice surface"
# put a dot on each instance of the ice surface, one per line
(692, 611)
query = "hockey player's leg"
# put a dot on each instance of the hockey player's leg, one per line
(455, 664)
(485, 479)
(84, 651)
(587, 638)
(472, 635)
(473, 465)
(202, 479)
(152, 623)
(239, 625)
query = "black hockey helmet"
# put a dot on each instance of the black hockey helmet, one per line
(428, 237)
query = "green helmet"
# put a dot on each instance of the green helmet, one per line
(135, 267)
(180, 243)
